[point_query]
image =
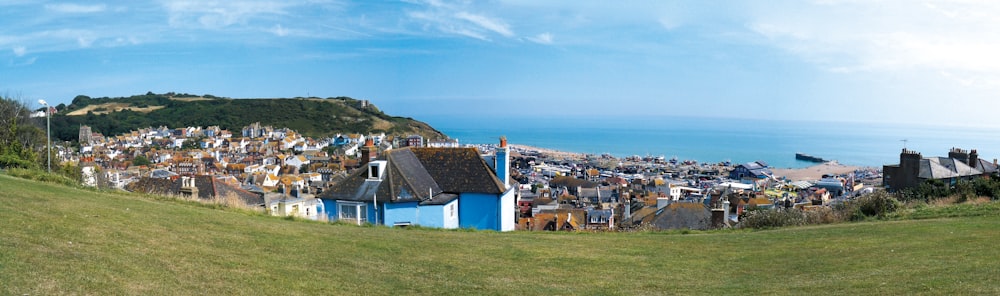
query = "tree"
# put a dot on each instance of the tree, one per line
(19, 135)
(141, 160)
(192, 143)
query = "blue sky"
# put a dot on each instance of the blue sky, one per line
(931, 62)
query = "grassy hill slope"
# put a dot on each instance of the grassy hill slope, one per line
(59, 240)
(310, 116)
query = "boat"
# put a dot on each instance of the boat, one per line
(807, 157)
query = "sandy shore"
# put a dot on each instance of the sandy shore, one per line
(550, 153)
(815, 172)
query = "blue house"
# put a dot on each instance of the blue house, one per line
(430, 187)
(341, 141)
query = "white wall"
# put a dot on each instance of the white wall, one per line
(508, 210)
(451, 221)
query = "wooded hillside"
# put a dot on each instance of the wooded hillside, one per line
(313, 117)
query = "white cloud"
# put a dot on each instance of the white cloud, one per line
(85, 41)
(278, 30)
(957, 37)
(75, 8)
(215, 15)
(20, 50)
(459, 19)
(544, 38)
(488, 23)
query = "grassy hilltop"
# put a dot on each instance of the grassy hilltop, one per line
(314, 117)
(60, 240)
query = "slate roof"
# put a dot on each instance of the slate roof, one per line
(600, 215)
(208, 188)
(944, 168)
(755, 168)
(592, 194)
(986, 166)
(681, 215)
(421, 174)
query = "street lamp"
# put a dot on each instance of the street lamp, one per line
(48, 137)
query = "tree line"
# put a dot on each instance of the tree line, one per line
(311, 117)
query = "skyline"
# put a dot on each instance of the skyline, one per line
(893, 61)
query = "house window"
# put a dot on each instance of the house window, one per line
(452, 210)
(373, 170)
(353, 212)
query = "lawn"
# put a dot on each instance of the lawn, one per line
(61, 240)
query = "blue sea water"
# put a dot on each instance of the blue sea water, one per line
(725, 139)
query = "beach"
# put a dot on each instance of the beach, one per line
(815, 172)
(549, 153)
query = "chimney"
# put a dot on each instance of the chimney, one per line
(973, 158)
(502, 164)
(188, 187)
(718, 219)
(959, 154)
(367, 152)
(725, 210)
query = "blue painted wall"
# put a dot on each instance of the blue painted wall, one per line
(438, 216)
(331, 209)
(402, 212)
(430, 216)
(479, 211)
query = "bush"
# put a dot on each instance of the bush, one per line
(760, 218)
(825, 215)
(792, 217)
(878, 204)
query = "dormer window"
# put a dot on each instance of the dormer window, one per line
(373, 171)
(376, 169)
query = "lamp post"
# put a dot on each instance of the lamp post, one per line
(48, 137)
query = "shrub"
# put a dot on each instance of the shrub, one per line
(792, 217)
(825, 215)
(760, 218)
(877, 204)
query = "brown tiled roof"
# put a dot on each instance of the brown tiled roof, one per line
(459, 169)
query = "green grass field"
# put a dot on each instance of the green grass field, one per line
(57, 240)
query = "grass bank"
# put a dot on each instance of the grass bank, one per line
(62, 240)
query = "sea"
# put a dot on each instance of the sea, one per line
(714, 140)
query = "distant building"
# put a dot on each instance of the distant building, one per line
(914, 169)
(750, 171)
(446, 143)
(86, 135)
(415, 141)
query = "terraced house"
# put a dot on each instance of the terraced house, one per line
(914, 169)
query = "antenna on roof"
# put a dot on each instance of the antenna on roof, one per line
(904, 142)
